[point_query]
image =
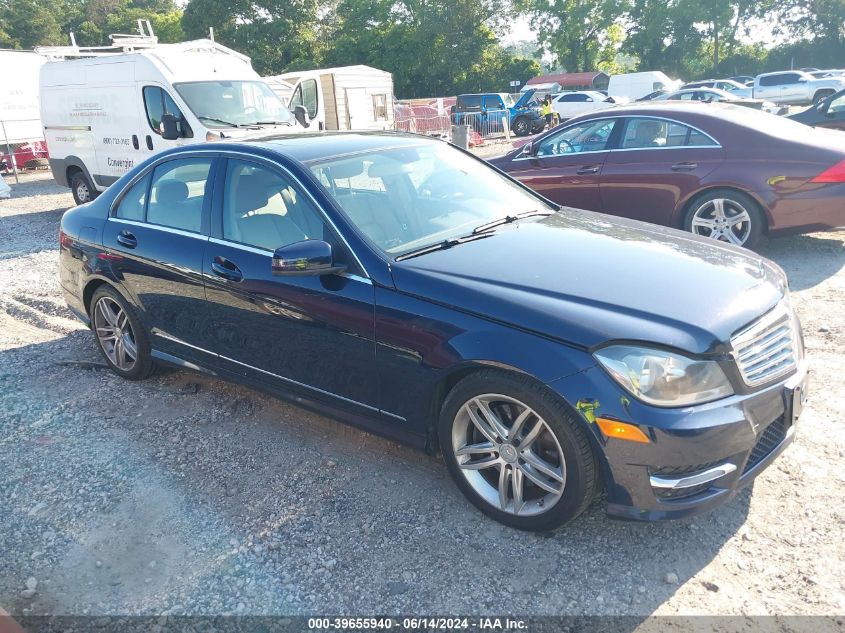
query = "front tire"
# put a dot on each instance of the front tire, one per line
(521, 127)
(120, 336)
(726, 215)
(516, 451)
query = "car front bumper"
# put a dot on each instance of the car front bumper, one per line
(697, 457)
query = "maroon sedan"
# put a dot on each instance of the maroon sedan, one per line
(716, 170)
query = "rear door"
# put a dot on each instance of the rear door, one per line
(156, 237)
(656, 164)
(566, 166)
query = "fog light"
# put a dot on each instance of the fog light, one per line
(621, 431)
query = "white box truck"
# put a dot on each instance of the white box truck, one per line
(345, 98)
(107, 110)
(636, 85)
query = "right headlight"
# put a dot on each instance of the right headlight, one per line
(663, 378)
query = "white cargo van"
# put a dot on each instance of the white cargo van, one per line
(108, 110)
(636, 85)
(345, 98)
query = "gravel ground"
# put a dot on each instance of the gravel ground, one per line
(185, 494)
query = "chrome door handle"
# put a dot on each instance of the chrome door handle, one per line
(222, 267)
(127, 239)
(684, 166)
(589, 169)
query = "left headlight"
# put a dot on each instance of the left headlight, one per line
(663, 378)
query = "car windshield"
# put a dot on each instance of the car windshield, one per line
(407, 198)
(225, 104)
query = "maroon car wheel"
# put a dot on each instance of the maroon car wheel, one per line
(726, 215)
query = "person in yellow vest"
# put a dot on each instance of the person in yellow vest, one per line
(547, 112)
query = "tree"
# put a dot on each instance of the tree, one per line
(575, 32)
(276, 34)
(30, 23)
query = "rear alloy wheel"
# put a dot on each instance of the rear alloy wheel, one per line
(83, 191)
(521, 127)
(120, 336)
(729, 216)
(516, 452)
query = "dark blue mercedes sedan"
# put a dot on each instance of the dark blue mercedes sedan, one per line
(409, 288)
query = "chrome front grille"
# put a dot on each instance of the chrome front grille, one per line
(769, 348)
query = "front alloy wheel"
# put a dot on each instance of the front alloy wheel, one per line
(508, 454)
(521, 127)
(516, 450)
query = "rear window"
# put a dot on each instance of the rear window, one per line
(468, 102)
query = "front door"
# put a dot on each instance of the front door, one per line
(311, 334)
(566, 166)
(156, 238)
(658, 163)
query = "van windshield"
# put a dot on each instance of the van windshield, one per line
(225, 104)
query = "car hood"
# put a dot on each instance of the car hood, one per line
(525, 99)
(585, 278)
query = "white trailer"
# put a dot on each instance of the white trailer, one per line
(345, 98)
(19, 111)
(112, 107)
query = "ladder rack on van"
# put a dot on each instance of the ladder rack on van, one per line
(120, 43)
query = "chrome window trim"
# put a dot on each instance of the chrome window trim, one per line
(716, 145)
(175, 339)
(160, 227)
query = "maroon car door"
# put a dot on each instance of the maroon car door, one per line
(657, 164)
(565, 166)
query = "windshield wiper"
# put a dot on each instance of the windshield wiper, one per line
(507, 220)
(288, 123)
(439, 246)
(216, 120)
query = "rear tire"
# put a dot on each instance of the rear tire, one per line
(535, 474)
(120, 336)
(726, 215)
(83, 191)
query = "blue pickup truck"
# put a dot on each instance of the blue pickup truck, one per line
(485, 111)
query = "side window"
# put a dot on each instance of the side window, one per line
(642, 133)
(591, 136)
(296, 99)
(772, 80)
(837, 105)
(131, 207)
(177, 194)
(156, 103)
(380, 107)
(262, 208)
(309, 97)
(790, 78)
(470, 102)
(493, 103)
(687, 96)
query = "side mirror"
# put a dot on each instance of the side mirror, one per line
(527, 150)
(309, 257)
(301, 115)
(170, 127)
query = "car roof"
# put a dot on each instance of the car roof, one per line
(321, 145)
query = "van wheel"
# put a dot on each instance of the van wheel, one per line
(83, 191)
